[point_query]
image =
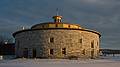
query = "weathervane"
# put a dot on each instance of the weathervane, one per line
(57, 10)
(57, 18)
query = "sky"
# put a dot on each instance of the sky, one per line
(100, 15)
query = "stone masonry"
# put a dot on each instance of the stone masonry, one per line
(69, 39)
(57, 40)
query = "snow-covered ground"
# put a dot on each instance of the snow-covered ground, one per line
(22, 62)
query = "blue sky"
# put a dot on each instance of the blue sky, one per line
(100, 15)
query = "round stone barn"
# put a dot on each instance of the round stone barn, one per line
(57, 40)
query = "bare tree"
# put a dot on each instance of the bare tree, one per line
(5, 38)
(1, 40)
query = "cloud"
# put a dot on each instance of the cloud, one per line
(99, 15)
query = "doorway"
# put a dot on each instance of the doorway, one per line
(92, 54)
(25, 52)
(34, 53)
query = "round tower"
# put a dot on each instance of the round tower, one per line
(57, 40)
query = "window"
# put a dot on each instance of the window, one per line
(80, 40)
(56, 25)
(64, 51)
(92, 44)
(68, 26)
(83, 51)
(51, 51)
(51, 40)
(43, 26)
(98, 52)
(18, 44)
(97, 43)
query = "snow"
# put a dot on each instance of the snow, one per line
(22, 62)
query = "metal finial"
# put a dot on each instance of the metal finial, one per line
(57, 18)
(57, 10)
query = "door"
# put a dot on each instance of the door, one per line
(34, 53)
(92, 54)
(25, 53)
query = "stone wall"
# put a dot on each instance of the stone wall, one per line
(76, 43)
